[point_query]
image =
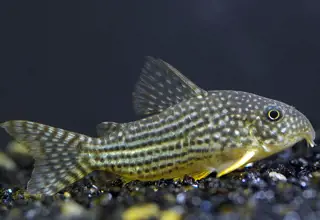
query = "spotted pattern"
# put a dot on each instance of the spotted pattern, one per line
(188, 131)
(55, 151)
(161, 86)
(165, 144)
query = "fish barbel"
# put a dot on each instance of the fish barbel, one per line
(186, 131)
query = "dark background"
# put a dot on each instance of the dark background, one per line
(73, 64)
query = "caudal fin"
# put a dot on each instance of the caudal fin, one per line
(56, 153)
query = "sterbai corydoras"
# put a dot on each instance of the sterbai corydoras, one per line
(185, 130)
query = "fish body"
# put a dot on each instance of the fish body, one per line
(185, 131)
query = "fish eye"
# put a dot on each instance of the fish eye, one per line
(274, 114)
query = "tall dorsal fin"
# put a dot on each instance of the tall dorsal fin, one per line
(161, 86)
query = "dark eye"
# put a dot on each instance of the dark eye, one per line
(274, 114)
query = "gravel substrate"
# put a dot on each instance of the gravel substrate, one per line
(285, 186)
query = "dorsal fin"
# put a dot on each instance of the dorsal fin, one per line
(105, 128)
(161, 86)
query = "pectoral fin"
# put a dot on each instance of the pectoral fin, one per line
(125, 180)
(201, 175)
(239, 163)
(195, 176)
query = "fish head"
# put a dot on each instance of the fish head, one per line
(276, 125)
(264, 123)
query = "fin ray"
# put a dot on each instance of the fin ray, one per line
(201, 175)
(160, 87)
(56, 153)
(239, 163)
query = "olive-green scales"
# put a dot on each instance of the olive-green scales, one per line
(186, 131)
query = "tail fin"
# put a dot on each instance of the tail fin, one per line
(56, 153)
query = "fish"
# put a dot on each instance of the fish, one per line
(182, 130)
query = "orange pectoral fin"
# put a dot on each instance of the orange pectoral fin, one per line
(239, 163)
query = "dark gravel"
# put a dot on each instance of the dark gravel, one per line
(285, 186)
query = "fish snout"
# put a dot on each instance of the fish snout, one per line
(310, 136)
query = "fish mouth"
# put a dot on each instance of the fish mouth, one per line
(308, 136)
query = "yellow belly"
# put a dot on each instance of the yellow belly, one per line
(219, 161)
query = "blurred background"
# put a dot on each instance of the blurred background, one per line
(74, 64)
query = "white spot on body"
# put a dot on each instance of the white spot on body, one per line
(151, 102)
(57, 167)
(226, 130)
(223, 139)
(210, 126)
(83, 138)
(68, 164)
(69, 137)
(194, 114)
(204, 109)
(214, 108)
(283, 130)
(54, 155)
(65, 158)
(217, 135)
(280, 138)
(48, 150)
(56, 161)
(221, 123)
(224, 111)
(191, 107)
